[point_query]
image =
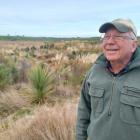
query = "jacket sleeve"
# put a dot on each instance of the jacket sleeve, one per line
(83, 113)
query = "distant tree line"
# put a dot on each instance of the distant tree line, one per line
(15, 38)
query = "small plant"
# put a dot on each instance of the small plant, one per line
(5, 76)
(42, 82)
(14, 72)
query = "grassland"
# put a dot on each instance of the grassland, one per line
(40, 80)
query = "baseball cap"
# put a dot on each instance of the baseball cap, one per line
(122, 25)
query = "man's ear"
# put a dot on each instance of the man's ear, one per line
(135, 45)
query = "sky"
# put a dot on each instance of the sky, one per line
(63, 18)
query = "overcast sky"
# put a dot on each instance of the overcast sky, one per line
(63, 18)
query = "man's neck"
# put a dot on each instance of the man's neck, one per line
(116, 66)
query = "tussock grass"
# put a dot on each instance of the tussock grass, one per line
(11, 101)
(55, 123)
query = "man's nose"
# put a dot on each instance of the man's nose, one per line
(110, 39)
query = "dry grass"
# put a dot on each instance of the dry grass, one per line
(55, 123)
(89, 58)
(11, 101)
(20, 44)
(66, 91)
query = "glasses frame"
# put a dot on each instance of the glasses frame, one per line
(105, 38)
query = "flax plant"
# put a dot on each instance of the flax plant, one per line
(42, 83)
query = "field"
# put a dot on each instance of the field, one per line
(40, 82)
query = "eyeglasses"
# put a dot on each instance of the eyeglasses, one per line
(116, 37)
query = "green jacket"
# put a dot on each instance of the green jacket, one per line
(109, 106)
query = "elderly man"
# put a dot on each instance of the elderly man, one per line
(109, 106)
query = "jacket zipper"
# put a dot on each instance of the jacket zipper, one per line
(110, 100)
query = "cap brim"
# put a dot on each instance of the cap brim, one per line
(119, 27)
(105, 27)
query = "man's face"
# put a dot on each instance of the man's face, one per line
(118, 47)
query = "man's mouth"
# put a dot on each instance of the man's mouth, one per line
(111, 49)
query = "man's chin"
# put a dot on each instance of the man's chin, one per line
(111, 59)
